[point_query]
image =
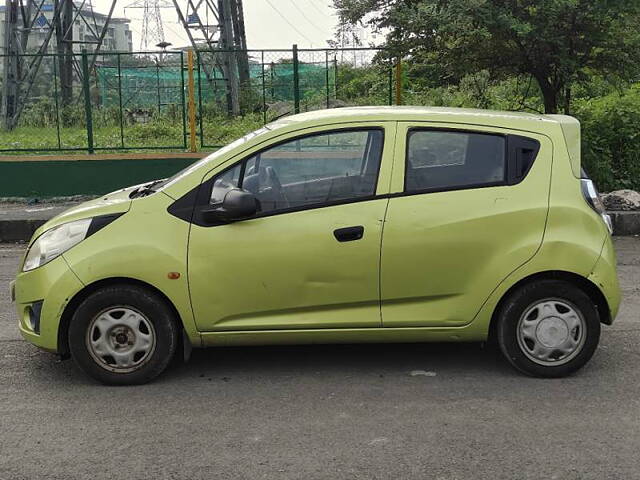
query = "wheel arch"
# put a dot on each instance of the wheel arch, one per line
(80, 296)
(586, 285)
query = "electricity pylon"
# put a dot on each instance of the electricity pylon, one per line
(22, 59)
(216, 30)
(152, 29)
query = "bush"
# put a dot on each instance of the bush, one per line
(363, 85)
(41, 113)
(611, 138)
(220, 130)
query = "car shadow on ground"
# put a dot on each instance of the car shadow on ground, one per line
(334, 360)
(280, 361)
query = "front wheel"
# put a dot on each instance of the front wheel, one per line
(549, 328)
(123, 335)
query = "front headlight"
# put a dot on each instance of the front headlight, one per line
(53, 243)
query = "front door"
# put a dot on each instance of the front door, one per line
(311, 256)
(470, 206)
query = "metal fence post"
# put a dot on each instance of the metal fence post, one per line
(192, 103)
(272, 77)
(158, 87)
(87, 100)
(120, 99)
(184, 111)
(264, 90)
(296, 81)
(326, 77)
(55, 91)
(335, 75)
(200, 124)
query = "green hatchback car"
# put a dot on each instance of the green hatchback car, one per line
(370, 224)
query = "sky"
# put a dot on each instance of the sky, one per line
(268, 23)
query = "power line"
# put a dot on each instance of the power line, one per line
(305, 16)
(290, 24)
(179, 35)
(317, 9)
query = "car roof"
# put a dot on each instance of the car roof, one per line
(518, 120)
(527, 122)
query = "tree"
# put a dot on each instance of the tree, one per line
(560, 43)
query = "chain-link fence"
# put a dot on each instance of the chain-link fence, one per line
(140, 101)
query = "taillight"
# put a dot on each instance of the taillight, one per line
(593, 199)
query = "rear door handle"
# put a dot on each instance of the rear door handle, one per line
(349, 234)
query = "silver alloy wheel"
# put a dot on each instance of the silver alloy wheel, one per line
(551, 332)
(120, 339)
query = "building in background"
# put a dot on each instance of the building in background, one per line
(117, 39)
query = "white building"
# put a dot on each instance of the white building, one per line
(117, 39)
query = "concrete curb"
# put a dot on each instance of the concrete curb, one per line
(625, 223)
(21, 230)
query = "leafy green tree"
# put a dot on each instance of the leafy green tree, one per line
(559, 43)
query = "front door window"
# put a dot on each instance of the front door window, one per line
(307, 172)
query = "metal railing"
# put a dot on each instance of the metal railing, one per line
(140, 101)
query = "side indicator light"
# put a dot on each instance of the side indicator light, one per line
(173, 275)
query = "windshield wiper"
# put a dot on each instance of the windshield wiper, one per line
(146, 189)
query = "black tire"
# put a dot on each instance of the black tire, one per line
(525, 299)
(153, 309)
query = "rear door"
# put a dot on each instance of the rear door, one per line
(470, 206)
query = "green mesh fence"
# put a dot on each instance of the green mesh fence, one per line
(139, 100)
(139, 87)
(158, 86)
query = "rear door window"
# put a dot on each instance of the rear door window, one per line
(444, 160)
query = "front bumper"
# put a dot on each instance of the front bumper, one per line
(41, 296)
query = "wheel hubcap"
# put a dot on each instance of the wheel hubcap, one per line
(120, 339)
(551, 332)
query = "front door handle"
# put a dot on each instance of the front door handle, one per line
(349, 234)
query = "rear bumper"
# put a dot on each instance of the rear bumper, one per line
(41, 296)
(605, 276)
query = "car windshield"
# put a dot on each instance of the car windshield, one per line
(218, 153)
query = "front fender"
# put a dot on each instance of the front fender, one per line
(145, 245)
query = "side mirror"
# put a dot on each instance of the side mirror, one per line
(237, 204)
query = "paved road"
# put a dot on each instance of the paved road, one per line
(327, 412)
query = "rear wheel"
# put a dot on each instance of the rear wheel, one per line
(549, 328)
(123, 335)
